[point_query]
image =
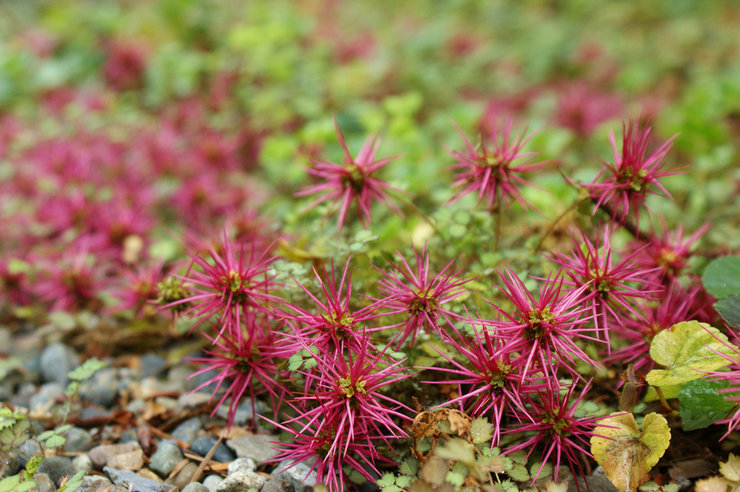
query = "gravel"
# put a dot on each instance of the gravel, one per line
(203, 445)
(57, 467)
(167, 456)
(56, 361)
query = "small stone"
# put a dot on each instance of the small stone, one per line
(203, 445)
(132, 460)
(195, 487)
(299, 476)
(101, 389)
(184, 476)
(96, 483)
(242, 465)
(136, 406)
(82, 463)
(56, 467)
(10, 465)
(241, 481)
(78, 440)
(147, 473)
(188, 401)
(243, 412)
(43, 483)
(212, 482)
(135, 483)
(56, 361)
(188, 430)
(277, 485)
(100, 455)
(128, 436)
(46, 396)
(255, 446)
(166, 402)
(151, 364)
(28, 449)
(88, 413)
(166, 458)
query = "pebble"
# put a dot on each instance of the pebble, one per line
(184, 476)
(136, 406)
(242, 465)
(132, 460)
(28, 449)
(82, 463)
(135, 483)
(212, 482)
(203, 445)
(43, 483)
(56, 361)
(188, 430)
(192, 400)
(255, 446)
(31, 363)
(10, 465)
(23, 397)
(46, 396)
(100, 455)
(167, 456)
(94, 413)
(244, 411)
(96, 483)
(151, 364)
(241, 481)
(596, 481)
(298, 476)
(128, 436)
(101, 389)
(195, 487)
(147, 473)
(5, 391)
(277, 485)
(78, 440)
(56, 467)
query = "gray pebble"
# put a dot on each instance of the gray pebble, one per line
(188, 430)
(203, 445)
(298, 475)
(92, 412)
(135, 483)
(195, 487)
(28, 449)
(23, 397)
(277, 485)
(242, 465)
(212, 482)
(192, 400)
(56, 361)
(46, 396)
(184, 476)
(136, 406)
(101, 389)
(151, 364)
(129, 436)
(241, 481)
(255, 446)
(96, 483)
(10, 465)
(78, 440)
(167, 456)
(82, 463)
(244, 411)
(100, 455)
(43, 483)
(57, 467)
(5, 391)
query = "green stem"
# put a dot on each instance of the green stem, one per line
(557, 220)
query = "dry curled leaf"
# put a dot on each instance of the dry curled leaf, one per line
(626, 453)
(712, 484)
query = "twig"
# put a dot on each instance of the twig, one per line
(206, 460)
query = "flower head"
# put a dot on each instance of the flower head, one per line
(491, 169)
(410, 290)
(626, 184)
(352, 181)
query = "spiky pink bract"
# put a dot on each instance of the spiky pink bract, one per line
(625, 185)
(544, 329)
(230, 285)
(552, 418)
(610, 289)
(352, 181)
(490, 169)
(331, 324)
(411, 291)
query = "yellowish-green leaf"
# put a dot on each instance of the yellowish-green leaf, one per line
(731, 468)
(457, 449)
(481, 430)
(685, 350)
(626, 453)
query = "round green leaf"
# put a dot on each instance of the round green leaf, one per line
(702, 405)
(721, 277)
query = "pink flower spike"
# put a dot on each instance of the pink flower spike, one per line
(490, 169)
(409, 290)
(352, 181)
(626, 184)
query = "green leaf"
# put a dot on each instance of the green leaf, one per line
(55, 441)
(7, 484)
(721, 277)
(32, 465)
(457, 449)
(518, 472)
(729, 309)
(409, 467)
(455, 478)
(86, 370)
(686, 349)
(480, 430)
(702, 404)
(295, 362)
(386, 480)
(403, 481)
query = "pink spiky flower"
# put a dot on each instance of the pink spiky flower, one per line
(332, 325)
(346, 395)
(552, 418)
(626, 184)
(409, 290)
(490, 382)
(230, 285)
(732, 376)
(490, 169)
(610, 289)
(648, 319)
(352, 181)
(244, 365)
(544, 329)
